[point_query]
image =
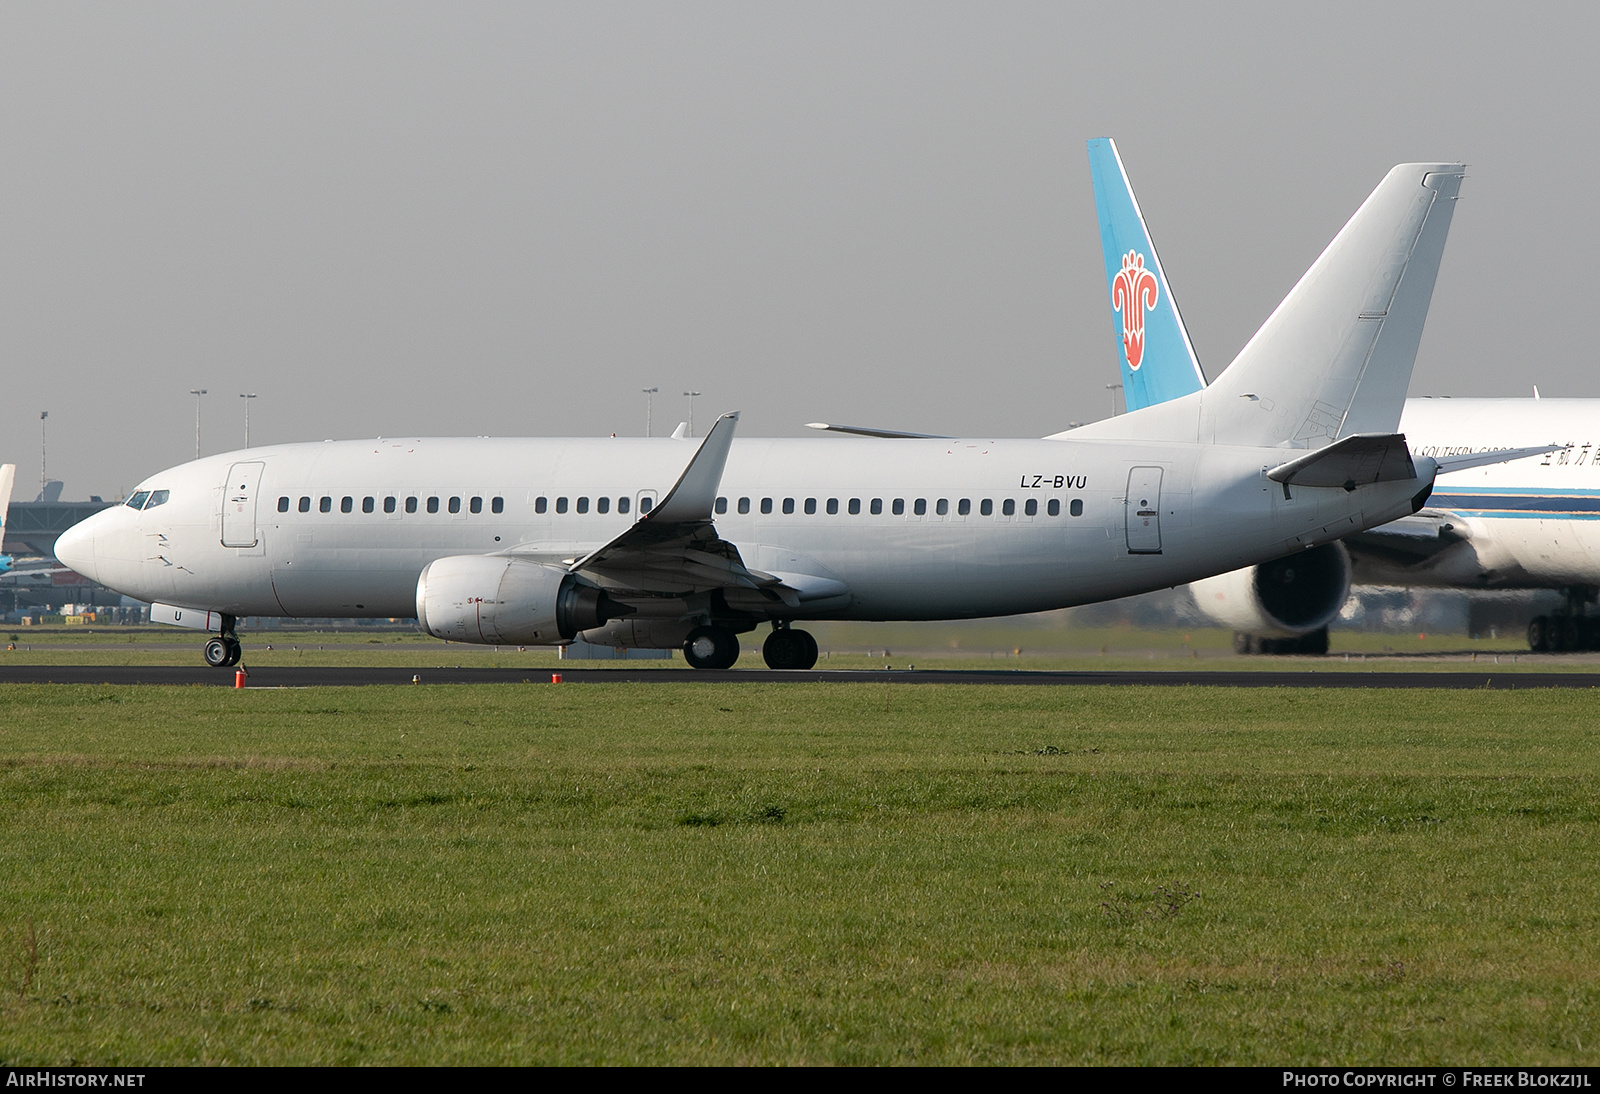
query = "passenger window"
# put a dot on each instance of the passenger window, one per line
(325, 505)
(646, 503)
(157, 497)
(1008, 508)
(833, 506)
(744, 505)
(388, 504)
(433, 505)
(602, 505)
(963, 507)
(138, 500)
(1030, 507)
(942, 507)
(561, 505)
(721, 506)
(540, 505)
(1054, 508)
(855, 507)
(766, 505)
(368, 505)
(498, 505)
(455, 505)
(622, 504)
(811, 507)
(283, 505)
(899, 507)
(305, 505)
(921, 507)
(411, 505)
(788, 505)
(475, 505)
(1077, 507)
(583, 505)
(986, 507)
(877, 506)
(347, 504)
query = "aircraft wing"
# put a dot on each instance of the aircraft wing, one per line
(674, 550)
(1448, 464)
(887, 434)
(1412, 539)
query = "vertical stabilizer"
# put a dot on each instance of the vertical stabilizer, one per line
(1158, 361)
(1335, 358)
(8, 478)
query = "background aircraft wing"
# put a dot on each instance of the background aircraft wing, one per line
(1410, 540)
(868, 431)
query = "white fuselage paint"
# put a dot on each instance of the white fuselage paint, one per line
(1529, 523)
(1217, 511)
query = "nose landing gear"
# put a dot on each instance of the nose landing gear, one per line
(224, 650)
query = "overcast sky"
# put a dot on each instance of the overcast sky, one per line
(507, 219)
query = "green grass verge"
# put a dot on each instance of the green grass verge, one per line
(689, 873)
(1003, 645)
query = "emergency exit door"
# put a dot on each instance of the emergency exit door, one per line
(239, 505)
(1144, 511)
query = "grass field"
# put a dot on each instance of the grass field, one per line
(800, 873)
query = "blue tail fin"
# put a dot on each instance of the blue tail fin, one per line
(1158, 363)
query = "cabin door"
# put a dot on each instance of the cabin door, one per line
(239, 505)
(1144, 511)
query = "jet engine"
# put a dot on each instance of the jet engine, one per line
(1285, 599)
(507, 601)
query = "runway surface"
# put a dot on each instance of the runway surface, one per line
(299, 677)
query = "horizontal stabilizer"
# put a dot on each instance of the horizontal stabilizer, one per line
(1448, 464)
(889, 434)
(1354, 461)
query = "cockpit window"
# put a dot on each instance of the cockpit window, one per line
(138, 500)
(157, 497)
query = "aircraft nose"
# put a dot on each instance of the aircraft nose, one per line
(75, 549)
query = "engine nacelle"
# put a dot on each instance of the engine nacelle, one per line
(506, 601)
(1281, 599)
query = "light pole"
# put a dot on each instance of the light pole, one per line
(691, 395)
(247, 399)
(649, 398)
(43, 414)
(1113, 388)
(197, 392)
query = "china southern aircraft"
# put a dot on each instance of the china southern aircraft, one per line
(8, 478)
(1520, 523)
(662, 543)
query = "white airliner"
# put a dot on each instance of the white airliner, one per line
(1528, 523)
(661, 543)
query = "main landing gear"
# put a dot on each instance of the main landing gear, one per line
(1570, 628)
(1315, 642)
(224, 650)
(711, 648)
(787, 648)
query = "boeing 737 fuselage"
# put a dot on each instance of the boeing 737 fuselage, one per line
(852, 529)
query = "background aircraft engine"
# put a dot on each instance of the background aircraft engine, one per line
(506, 601)
(1287, 598)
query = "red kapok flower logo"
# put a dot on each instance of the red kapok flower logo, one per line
(1133, 292)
